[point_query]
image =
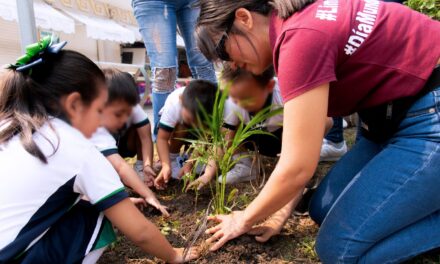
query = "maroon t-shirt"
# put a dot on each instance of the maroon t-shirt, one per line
(371, 52)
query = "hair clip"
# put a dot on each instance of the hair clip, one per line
(34, 52)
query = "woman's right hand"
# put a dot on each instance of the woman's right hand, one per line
(163, 177)
(193, 253)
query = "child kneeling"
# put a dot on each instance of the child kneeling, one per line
(50, 103)
(177, 118)
(121, 109)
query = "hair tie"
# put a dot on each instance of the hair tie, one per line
(34, 53)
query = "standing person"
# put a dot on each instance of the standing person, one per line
(57, 192)
(157, 21)
(379, 204)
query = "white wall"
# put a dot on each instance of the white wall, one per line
(10, 48)
(107, 51)
(79, 42)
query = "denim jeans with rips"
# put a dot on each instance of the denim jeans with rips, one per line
(158, 21)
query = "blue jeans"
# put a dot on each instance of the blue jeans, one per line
(336, 133)
(158, 20)
(380, 202)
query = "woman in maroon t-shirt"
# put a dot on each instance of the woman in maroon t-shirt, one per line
(336, 57)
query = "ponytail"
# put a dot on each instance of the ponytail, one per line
(28, 98)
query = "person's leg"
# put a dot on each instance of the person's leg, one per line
(339, 177)
(380, 215)
(72, 238)
(157, 24)
(187, 16)
(334, 146)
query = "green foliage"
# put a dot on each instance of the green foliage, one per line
(212, 144)
(307, 247)
(168, 227)
(428, 7)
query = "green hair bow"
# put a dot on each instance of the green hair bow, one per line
(34, 53)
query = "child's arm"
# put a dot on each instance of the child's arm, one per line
(163, 150)
(144, 133)
(144, 234)
(206, 177)
(130, 178)
(211, 167)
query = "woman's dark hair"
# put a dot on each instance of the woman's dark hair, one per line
(233, 75)
(199, 97)
(28, 99)
(217, 18)
(121, 86)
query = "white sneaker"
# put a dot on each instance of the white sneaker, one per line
(331, 151)
(174, 165)
(177, 162)
(243, 170)
(139, 168)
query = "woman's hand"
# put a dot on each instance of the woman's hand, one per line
(193, 253)
(266, 230)
(229, 227)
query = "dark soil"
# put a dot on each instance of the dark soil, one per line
(294, 245)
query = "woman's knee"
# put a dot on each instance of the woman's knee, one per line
(331, 247)
(316, 211)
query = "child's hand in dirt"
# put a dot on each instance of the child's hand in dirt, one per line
(193, 253)
(266, 230)
(200, 182)
(152, 200)
(162, 179)
(149, 176)
(138, 202)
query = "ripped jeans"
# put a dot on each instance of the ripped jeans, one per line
(157, 21)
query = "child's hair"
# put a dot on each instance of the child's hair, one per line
(199, 97)
(28, 98)
(121, 86)
(233, 75)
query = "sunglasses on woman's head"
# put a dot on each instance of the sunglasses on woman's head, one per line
(220, 49)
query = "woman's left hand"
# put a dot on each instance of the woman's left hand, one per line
(229, 227)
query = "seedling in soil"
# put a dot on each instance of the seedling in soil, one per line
(168, 227)
(212, 143)
(308, 248)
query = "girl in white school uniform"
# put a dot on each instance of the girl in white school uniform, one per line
(50, 103)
